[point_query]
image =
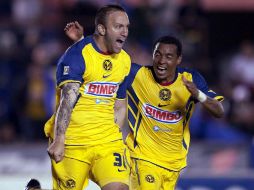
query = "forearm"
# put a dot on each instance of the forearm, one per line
(120, 116)
(120, 112)
(68, 99)
(62, 118)
(214, 107)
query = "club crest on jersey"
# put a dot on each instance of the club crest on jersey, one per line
(70, 184)
(150, 179)
(107, 65)
(162, 115)
(165, 94)
(105, 89)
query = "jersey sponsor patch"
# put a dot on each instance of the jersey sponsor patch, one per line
(101, 101)
(157, 128)
(66, 70)
(105, 89)
(162, 115)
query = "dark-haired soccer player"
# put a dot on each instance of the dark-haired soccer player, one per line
(84, 137)
(161, 100)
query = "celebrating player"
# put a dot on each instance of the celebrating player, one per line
(84, 137)
(161, 100)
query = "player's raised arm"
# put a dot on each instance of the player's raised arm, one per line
(74, 31)
(212, 105)
(69, 95)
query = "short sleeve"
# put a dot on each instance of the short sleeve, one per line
(71, 66)
(201, 84)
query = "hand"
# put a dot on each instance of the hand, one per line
(74, 31)
(56, 150)
(191, 87)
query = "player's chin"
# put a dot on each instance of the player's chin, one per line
(160, 76)
(118, 47)
(117, 50)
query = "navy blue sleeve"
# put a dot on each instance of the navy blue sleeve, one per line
(134, 69)
(201, 84)
(121, 93)
(71, 65)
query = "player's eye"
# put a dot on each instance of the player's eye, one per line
(118, 26)
(156, 55)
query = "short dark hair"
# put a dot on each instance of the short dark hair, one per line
(170, 40)
(103, 12)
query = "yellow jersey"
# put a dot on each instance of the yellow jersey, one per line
(100, 76)
(159, 115)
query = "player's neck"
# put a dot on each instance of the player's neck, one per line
(167, 81)
(101, 44)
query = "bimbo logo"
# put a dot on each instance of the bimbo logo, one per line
(101, 89)
(161, 115)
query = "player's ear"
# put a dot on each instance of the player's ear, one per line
(101, 29)
(179, 60)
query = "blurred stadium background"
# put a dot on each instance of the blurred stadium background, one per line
(218, 38)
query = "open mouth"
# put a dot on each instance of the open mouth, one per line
(120, 42)
(161, 69)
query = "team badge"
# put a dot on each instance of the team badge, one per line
(150, 179)
(70, 183)
(107, 65)
(165, 94)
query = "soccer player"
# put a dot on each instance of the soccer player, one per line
(84, 137)
(161, 100)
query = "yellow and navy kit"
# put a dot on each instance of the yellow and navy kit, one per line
(100, 76)
(159, 116)
(81, 163)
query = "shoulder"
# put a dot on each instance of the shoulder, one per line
(126, 57)
(124, 53)
(135, 68)
(74, 53)
(189, 72)
(77, 47)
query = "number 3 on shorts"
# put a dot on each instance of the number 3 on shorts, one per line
(119, 160)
